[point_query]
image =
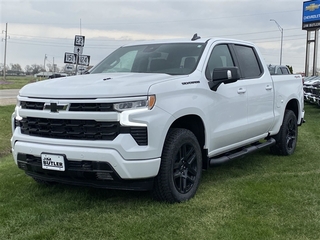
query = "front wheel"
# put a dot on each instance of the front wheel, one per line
(181, 167)
(286, 139)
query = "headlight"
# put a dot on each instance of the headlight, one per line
(140, 104)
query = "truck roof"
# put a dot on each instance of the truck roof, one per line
(184, 40)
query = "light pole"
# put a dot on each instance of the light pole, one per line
(281, 30)
(5, 52)
(44, 62)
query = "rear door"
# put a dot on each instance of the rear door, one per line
(260, 91)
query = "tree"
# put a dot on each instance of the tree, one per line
(52, 68)
(2, 66)
(15, 67)
(35, 68)
(28, 70)
(290, 68)
(49, 67)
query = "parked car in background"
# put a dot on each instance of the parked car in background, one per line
(311, 89)
(57, 75)
(278, 69)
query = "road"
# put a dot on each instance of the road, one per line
(8, 96)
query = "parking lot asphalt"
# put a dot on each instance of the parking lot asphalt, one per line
(8, 96)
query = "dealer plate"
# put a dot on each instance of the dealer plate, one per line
(53, 162)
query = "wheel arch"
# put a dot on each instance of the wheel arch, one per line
(293, 105)
(195, 124)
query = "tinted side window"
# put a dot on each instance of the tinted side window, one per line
(220, 57)
(279, 72)
(285, 70)
(248, 62)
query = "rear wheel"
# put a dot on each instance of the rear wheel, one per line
(286, 139)
(181, 166)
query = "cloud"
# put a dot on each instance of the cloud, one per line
(38, 27)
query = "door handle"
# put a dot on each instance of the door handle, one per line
(242, 90)
(268, 87)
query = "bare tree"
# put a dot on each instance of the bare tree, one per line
(15, 67)
(52, 68)
(28, 69)
(36, 68)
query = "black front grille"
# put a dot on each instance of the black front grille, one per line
(69, 129)
(32, 105)
(313, 90)
(74, 107)
(91, 107)
(80, 129)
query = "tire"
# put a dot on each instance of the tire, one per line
(180, 169)
(286, 139)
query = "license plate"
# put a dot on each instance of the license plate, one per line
(52, 162)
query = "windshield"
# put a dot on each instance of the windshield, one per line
(169, 58)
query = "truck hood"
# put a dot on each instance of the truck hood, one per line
(105, 85)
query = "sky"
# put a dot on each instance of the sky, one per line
(39, 28)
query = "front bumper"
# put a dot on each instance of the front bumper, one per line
(94, 167)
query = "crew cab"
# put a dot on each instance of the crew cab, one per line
(152, 115)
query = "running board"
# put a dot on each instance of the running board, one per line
(242, 152)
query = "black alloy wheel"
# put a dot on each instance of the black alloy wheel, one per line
(180, 169)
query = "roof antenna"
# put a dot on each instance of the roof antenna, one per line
(195, 37)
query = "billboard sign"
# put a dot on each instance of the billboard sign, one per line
(311, 15)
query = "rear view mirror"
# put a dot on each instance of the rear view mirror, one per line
(224, 75)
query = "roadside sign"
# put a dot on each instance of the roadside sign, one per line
(70, 58)
(69, 67)
(79, 41)
(84, 60)
(78, 50)
(311, 15)
(82, 68)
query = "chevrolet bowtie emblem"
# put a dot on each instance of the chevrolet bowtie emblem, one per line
(313, 7)
(55, 107)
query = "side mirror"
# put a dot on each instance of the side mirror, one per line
(224, 75)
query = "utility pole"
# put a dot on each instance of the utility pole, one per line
(53, 67)
(5, 52)
(44, 62)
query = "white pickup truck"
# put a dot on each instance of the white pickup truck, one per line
(152, 116)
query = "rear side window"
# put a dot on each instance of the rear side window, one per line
(248, 62)
(279, 71)
(284, 70)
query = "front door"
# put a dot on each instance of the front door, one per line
(228, 108)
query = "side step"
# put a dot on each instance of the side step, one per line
(244, 151)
